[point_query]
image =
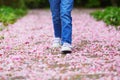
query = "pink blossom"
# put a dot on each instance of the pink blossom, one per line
(25, 51)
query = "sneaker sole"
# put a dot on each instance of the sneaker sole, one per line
(66, 52)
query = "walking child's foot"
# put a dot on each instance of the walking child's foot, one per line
(56, 43)
(66, 48)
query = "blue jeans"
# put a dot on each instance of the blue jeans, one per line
(62, 20)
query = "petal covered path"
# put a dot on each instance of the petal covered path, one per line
(26, 54)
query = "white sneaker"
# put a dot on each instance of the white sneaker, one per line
(56, 43)
(66, 48)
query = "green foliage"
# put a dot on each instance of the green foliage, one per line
(45, 3)
(9, 15)
(36, 3)
(93, 3)
(110, 15)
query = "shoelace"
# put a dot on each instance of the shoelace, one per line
(56, 41)
(67, 45)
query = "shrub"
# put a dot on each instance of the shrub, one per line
(110, 15)
(9, 15)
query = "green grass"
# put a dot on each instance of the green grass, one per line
(110, 15)
(9, 15)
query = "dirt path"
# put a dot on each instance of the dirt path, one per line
(26, 54)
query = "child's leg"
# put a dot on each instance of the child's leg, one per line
(66, 7)
(55, 9)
